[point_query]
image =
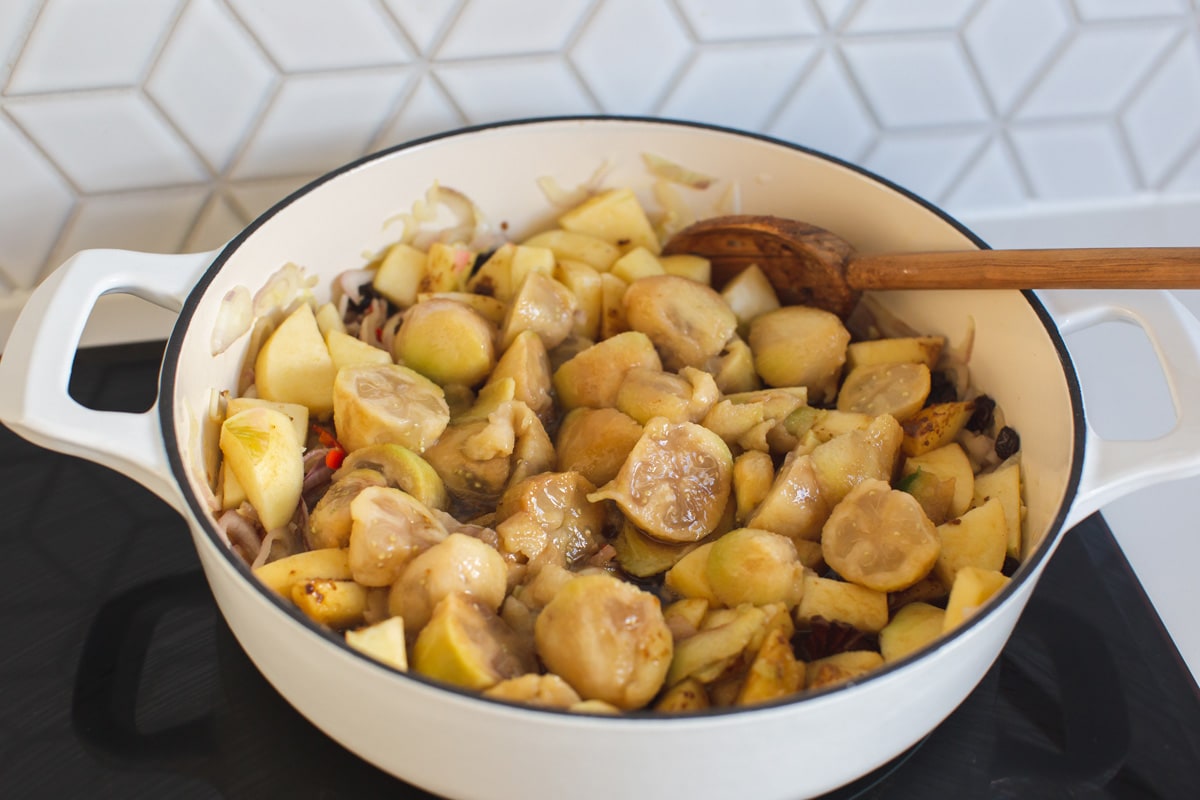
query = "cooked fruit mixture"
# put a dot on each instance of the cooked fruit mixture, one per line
(569, 472)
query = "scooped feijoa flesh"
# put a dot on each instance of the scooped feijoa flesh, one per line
(675, 483)
(880, 538)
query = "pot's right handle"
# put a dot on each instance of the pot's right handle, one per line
(35, 369)
(1114, 468)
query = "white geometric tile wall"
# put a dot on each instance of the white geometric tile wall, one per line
(168, 124)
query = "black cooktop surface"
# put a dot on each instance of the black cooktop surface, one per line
(118, 677)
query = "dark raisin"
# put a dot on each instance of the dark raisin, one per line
(1008, 442)
(481, 259)
(367, 293)
(983, 417)
(941, 389)
(827, 638)
(485, 286)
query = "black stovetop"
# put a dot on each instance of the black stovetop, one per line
(118, 677)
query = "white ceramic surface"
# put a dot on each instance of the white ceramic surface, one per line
(427, 734)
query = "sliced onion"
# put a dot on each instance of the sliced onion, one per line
(263, 328)
(677, 214)
(558, 196)
(264, 549)
(371, 326)
(730, 201)
(240, 531)
(389, 331)
(235, 315)
(569, 198)
(871, 320)
(351, 282)
(961, 352)
(285, 285)
(216, 404)
(676, 173)
(980, 449)
(468, 225)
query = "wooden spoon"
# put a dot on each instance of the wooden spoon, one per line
(811, 266)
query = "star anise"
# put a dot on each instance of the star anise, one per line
(826, 637)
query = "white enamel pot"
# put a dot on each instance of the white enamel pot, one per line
(459, 745)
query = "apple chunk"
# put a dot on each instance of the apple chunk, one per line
(294, 365)
(260, 447)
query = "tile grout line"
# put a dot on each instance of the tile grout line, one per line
(1181, 39)
(19, 52)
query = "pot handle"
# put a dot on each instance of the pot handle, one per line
(38, 356)
(1114, 468)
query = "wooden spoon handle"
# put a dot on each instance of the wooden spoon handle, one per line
(1088, 268)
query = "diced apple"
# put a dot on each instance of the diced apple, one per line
(294, 365)
(689, 576)
(280, 576)
(542, 305)
(260, 447)
(494, 276)
(571, 246)
(383, 641)
(612, 310)
(750, 294)
(840, 601)
(400, 274)
(232, 493)
(753, 474)
(972, 588)
(684, 616)
(934, 493)
(447, 268)
(846, 460)
(637, 263)
(977, 539)
(707, 654)
(948, 462)
(774, 673)
(338, 604)
(328, 319)
(687, 695)
(912, 627)
(934, 426)
(913, 350)
(793, 504)
(642, 556)
(841, 667)
(685, 265)
(825, 423)
(584, 282)
(615, 216)
(1004, 484)
(527, 259)
(735, 368)
(298, 414)
(347, 351)
(487, 307)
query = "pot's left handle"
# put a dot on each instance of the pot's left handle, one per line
(35, 368)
